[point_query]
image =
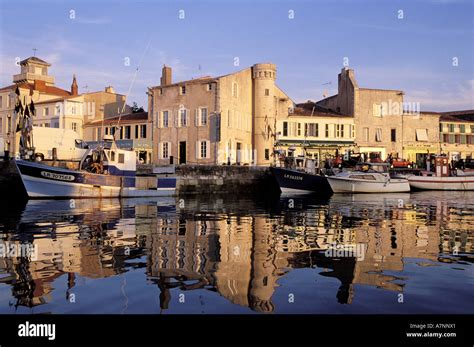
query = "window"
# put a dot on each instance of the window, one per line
(182, 117)
(143, 131)
(74, 126)
(377, 110)
(99, 134)
(165, 150)
(73, 109)
(313, 129)
(127, 132)
(342, 130)
(136, 131)
(209, 87)
(451, 138)
(235, 90)
(112, 130)
(267, 154)
(121, 158)
(165, 119)
(378, 134)
(299, 129)
(472, 129)
(182, 90)
(267, 92)
(46, 111)
(112, 156)
(203, 118)
(9, 124)
(366, 134)
(445, 138)
(337, 130)
(203, 149)
(160, 91)
(422, 135)
(326, 130)
(285, 128)
(463, 139)
(462, 128)
(393, 135)
(352, 130)
(1, 125)
(58, 109)
(451, 128)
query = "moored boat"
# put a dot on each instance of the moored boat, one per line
(298, 175)
(293, 181)
(368, 178)
(443, 178)
(103, 172)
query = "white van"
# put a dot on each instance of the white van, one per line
(67, 143)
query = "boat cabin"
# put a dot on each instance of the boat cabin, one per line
(109, 159)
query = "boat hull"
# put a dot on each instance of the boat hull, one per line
(296, 182)
(441, 183)
(344, 185)
(43, 181)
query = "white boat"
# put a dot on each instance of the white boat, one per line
(442, 178)
(430, 181)
(368, 178)
(104, 172)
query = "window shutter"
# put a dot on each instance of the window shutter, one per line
(158, 123)
(198, 148)
(175, 118)
(196, 117)
(208, 149)
(160, 150)
(169, 150)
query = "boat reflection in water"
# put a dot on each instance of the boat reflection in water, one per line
(224, 255)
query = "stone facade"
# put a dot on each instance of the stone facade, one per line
(457, 134)
(385, 124)
(315, 133)
(226, 119)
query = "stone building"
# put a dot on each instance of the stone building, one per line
(217, 120)
(457, 134)
(384, 124)
(315, 132)
(55, 107)
(132, 131)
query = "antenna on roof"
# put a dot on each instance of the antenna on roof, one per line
(34, 52)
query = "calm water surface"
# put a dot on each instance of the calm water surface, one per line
(241, 255)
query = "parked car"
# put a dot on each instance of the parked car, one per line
(401, 163)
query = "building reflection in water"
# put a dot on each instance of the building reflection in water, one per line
(238, 248)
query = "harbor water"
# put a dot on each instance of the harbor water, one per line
(392, 253)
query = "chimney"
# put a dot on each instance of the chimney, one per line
(74, 88)
(110, 89)
(165, 76)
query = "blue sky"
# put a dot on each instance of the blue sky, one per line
(414, 54)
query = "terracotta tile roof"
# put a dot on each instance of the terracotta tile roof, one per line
(47, 89)
(128, 118)
(458, 116)
(310, 108)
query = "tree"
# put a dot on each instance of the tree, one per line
(136, 109)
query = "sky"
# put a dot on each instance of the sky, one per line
(423, 47)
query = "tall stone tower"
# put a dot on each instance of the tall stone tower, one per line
(264, 112)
